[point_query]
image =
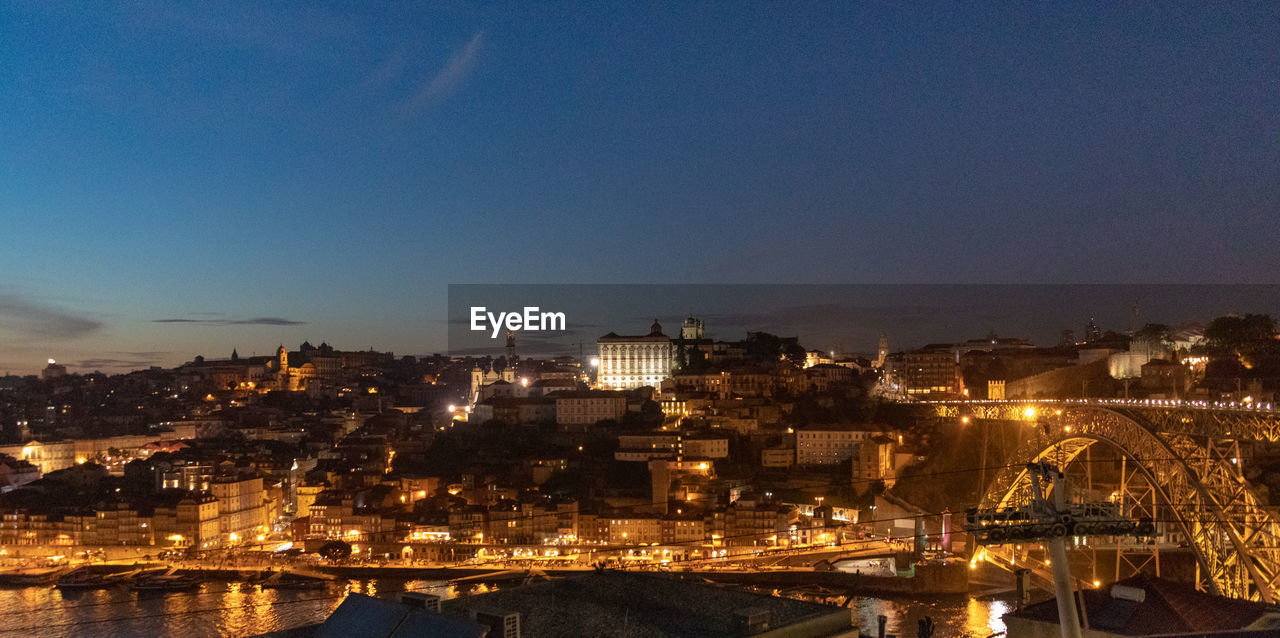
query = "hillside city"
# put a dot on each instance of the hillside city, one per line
(660, 449)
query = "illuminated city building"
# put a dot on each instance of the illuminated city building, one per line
(515, 410)
(241, 512)
(481, 378)
(829, 444)
(684, 529)
(366, 514)
(679, 479)
(706, 446)
(757, 523)
(39, 528)
(816, 357)
(934, 369)
(628, 362)
(305, 497)
(743, 381)
(589, 407)
(876, 460)
(16, 472)
(634, 530)
(312, 369)
(50, 456)
(647, 446)
(53, 371)
(185, 519)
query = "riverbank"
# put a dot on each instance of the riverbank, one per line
(950, 579)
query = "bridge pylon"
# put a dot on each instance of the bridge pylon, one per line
(1049, 519)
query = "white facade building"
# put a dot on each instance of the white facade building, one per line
(629, 362)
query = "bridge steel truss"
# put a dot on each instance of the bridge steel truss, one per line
(1189, 457)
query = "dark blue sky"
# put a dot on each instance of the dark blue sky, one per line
(338, 165)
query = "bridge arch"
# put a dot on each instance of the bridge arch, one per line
(1236, 540)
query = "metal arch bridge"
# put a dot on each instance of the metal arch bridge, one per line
(1189, 454)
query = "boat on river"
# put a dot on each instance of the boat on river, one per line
(83, 579)
(170, 580)
(30, 576)
(297, 579)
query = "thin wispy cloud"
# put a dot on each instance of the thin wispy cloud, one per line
(26, 319)
(255, 321)
(118, 364)
(447, 80)
(144, 354)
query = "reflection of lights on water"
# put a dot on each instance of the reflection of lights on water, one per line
(995, 619)
(985, 618)
(974, 618)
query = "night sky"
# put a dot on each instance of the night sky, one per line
(184, 179)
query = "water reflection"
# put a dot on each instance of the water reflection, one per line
(952, 616)
(241, 609)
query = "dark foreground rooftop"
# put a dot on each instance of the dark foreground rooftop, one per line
(1155, 606)
(600, 604)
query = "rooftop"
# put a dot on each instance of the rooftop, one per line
(1169, 608)
(623, 603)
(601, 604)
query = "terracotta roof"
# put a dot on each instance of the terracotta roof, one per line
(1169, 608)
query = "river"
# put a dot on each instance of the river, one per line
(237, 609)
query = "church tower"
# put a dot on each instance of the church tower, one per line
(511, 348)
(282, 368)
(691, 330)
(477, 382)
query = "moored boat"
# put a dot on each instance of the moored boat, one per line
(297, 579)
(29, 577)
(293, 583)
(168, 581)
(83, 579)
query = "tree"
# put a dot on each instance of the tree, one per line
(795, 354)
(762, 346)
(1153, 332)
(1235, 334)
(335, 550)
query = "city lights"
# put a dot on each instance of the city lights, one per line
(309, 281)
